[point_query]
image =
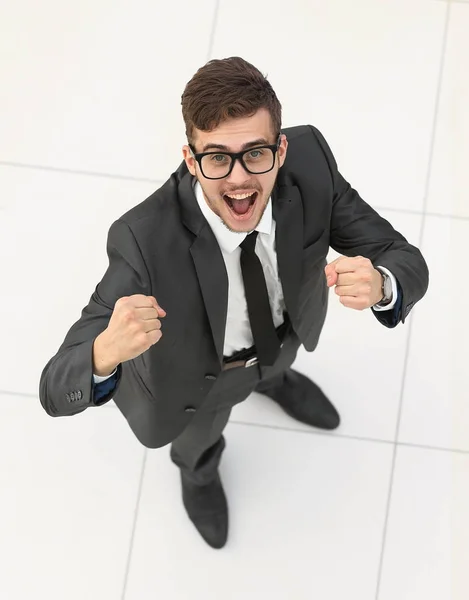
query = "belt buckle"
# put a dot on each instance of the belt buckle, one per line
(251, 362)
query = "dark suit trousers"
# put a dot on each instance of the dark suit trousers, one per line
(198, 450)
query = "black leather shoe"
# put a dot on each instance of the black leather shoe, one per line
(303, 400)
(207, 509)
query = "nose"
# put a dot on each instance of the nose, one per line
(238, 173)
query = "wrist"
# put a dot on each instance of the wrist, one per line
(104, 362)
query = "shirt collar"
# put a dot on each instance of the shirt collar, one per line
(229, 240)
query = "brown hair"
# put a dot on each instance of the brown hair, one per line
(227, 88)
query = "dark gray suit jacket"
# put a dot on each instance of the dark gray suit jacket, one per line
(164, 247)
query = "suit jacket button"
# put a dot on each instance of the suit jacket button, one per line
(211, 377)
(190, 409)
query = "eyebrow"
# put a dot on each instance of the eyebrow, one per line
(258, 142)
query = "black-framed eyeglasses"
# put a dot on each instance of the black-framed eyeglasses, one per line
(217, 165)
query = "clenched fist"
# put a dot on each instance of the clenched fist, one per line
(358, 284)
(134, 326)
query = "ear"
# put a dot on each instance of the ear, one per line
(189, 160)
(282, 149)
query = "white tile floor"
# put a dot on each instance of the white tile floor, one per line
(89, 126)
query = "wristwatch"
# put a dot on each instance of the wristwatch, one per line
(386, 289)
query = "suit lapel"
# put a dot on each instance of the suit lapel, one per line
(208, 260)
(288, 214)
(213, 280)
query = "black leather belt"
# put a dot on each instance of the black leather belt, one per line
(250, 362)
(247, 357)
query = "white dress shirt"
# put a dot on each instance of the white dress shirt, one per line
(238, 333)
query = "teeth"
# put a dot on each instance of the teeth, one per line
(238, 196)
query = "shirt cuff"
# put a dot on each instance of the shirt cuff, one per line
(99, 379)
(379, 306)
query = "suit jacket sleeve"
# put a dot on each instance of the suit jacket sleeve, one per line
(356, 229)
(66, 385)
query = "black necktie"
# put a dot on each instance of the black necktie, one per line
(260, 316)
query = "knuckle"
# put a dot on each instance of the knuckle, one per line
(128, 316)
(156, 337)
(367, 276)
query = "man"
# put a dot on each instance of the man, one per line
(216, 279)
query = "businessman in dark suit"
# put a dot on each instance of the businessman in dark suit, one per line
(217, 278)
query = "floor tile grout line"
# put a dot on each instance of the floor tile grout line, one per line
(443, 216)
(311, 432)
(5, 163)
(436, 448)
(134, 526)
(422, 213)
(212, 32)
(349, 437)
(427, 186)
(444, 48)
(436, 113)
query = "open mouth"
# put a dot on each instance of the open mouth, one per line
(241, 208)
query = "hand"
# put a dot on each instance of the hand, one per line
(358, 284)
(134, 326)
